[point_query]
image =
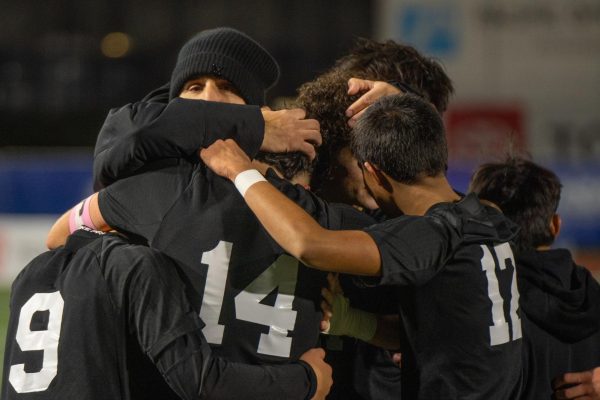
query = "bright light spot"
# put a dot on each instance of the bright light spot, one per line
(115, 44)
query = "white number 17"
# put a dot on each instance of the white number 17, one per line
(499, 332)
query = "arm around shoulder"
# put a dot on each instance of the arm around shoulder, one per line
(86, 213)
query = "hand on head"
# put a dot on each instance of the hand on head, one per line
(287, 130)
(372, 90)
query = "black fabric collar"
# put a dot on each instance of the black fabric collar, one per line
(81, 238)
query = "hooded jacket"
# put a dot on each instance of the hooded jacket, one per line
(560, 310)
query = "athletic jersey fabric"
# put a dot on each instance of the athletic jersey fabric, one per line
(101, 318)
(561, 326)
(454, 269)
(259, 304)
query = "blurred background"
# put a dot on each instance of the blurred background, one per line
(526, 73)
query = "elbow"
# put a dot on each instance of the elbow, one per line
(58, 233)
(297, 244)
(307, 251)
(302, 252)
(52, 241)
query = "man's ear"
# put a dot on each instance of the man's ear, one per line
(378, 175)
(555, 224)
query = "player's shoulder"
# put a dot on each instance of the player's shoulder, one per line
(174, 170)
(117, 249)
(474, 220)
(49, 266)
(89, 249)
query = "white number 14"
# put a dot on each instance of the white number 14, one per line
(280, 318)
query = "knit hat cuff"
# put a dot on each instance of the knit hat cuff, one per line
(220, 66)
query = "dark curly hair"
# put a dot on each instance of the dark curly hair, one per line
(527, 193)
(325, 98)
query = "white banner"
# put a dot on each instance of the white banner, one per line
(542, 57)
(21, 239)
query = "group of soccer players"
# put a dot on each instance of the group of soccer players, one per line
(220, 290)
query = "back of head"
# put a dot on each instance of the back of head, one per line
(404, 136)
(228, 54)
(326, 100)
(527, 193)
(392, 61)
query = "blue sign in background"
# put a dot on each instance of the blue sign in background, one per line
(433, 29)
(43, 184)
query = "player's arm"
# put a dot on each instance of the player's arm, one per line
(138, 133)
(353, 252)
(86, 213)
(341, 319)
(124, 205)
(148, 131)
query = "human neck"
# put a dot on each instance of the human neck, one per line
(416, 199)
(302, 178)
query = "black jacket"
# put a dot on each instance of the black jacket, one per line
(154, 129)
(560, 309)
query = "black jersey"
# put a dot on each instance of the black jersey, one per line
(103, 319)
(458, 301)
(561, 323)
(258, 304)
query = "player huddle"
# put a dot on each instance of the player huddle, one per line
(244, 241)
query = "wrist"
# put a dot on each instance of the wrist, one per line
(348, 321)
(312, 379)
(247, 178)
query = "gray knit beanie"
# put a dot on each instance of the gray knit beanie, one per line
(228, 54)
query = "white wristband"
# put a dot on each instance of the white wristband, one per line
(245, 179)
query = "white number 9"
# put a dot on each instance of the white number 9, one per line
(47, 340)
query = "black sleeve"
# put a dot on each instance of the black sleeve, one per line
(125, 205)
(151, 130)
(169, 332)
(333, 216)
(412, 249)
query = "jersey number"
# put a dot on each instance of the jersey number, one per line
(46, 340)
(280, 318)
(499, 331)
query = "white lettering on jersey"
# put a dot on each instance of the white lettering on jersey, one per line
(282, 276)
(214, 290)
(46, 340)
(499, 332)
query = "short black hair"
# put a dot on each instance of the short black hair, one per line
(527, 193)
(404, 136)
